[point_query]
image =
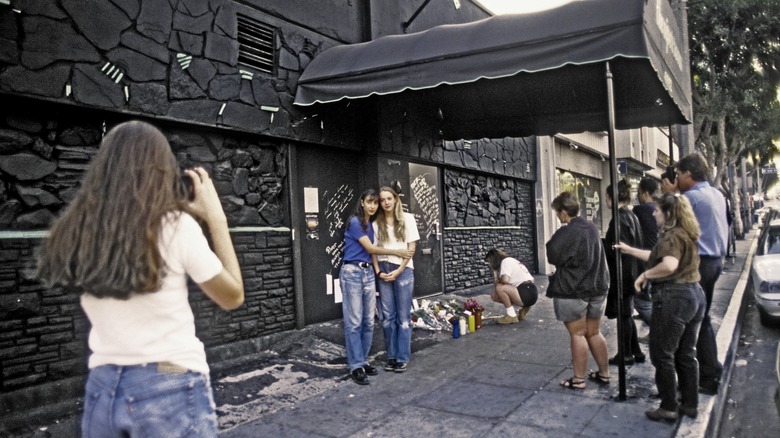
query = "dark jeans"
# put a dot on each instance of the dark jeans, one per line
(707, 348)
(678, 311)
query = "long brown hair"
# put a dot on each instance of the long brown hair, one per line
(399, 226)
(105, 243)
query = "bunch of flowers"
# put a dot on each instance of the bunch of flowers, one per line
(473, 305)
(434, 315)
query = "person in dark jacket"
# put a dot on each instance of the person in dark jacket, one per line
(630, 234)
(648, 187)
(579, 289)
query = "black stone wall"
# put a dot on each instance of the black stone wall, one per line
(171, 59)
(484, 212)
(43, 332)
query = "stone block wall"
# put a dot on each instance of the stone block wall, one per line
(176, 60)
(465, 249)
(44, 153)
(484, 212)
(43, 332)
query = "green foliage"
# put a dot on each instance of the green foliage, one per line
(735, 64)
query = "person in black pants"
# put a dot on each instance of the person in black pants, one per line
(709, 206)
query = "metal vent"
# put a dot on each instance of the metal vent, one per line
(256, 45)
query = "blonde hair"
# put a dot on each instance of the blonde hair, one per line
(678, 212)
(399, 226)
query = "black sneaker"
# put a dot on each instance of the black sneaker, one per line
(359, 376)
(400, 367)
(640, 358)
(390, 365)
(369, 370)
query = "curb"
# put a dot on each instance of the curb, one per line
(711, 406)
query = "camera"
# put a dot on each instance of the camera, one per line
(186, 186)
(670, 174)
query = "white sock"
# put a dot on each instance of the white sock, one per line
(510, 311)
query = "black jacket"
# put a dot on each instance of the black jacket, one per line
(630, 234)
(578, 256)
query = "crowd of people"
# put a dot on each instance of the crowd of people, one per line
(671, 247)
(135, 205)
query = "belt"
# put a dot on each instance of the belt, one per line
(363, 265)
(527, 282)
(170, 368)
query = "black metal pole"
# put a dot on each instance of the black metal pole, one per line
(616, 230)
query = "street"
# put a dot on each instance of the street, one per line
(750, 409)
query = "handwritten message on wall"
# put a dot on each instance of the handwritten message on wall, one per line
(428, 202)
(337, 211)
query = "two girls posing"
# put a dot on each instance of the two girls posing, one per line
(378, 244)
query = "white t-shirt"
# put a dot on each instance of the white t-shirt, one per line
(157, 326)
(516, 271)
(412, 235)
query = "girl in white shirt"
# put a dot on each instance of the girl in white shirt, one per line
(514, 285)
(127, 242)
(395, 230)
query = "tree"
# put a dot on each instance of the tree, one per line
(735, 64)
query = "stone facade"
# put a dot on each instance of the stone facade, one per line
(485, 212)
(43, 332)
(66, 77)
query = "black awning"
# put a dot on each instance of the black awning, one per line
(524, 74)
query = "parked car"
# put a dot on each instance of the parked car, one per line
(765, 273)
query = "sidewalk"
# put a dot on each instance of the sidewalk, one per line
(503, 381)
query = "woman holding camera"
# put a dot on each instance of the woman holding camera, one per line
(127, 242)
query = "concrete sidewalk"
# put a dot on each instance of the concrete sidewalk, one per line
(503, 381)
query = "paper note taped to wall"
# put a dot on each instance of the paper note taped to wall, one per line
(337, 291)
(311, 202)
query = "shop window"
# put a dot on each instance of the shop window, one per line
(587, 191)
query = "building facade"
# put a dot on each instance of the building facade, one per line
(218, 77)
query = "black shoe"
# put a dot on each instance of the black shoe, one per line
(390, 365)
(640, 358)
(359, 376)
(629, 360)
(370, 371)
(690, 412)
(708, 388)
(400, 367)
(662, 415)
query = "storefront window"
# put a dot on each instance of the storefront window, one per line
(588, 193)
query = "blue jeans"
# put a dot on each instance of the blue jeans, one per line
(678, 310)
(644, 307)
(139, 400)
(707, 348)
(395, 299)
(358, 287)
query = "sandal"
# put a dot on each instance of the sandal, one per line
(571, 383)
(598, 378)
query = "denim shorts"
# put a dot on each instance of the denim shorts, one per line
(572, 309)
(148, 400)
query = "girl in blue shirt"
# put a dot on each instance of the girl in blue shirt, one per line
(358, 285)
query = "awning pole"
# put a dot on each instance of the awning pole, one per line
(616, 230)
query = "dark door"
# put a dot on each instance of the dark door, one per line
(420, 192)
(328, 191)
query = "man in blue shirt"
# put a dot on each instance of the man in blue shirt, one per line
(709, 206)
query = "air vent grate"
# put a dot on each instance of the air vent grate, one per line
(256, 45)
